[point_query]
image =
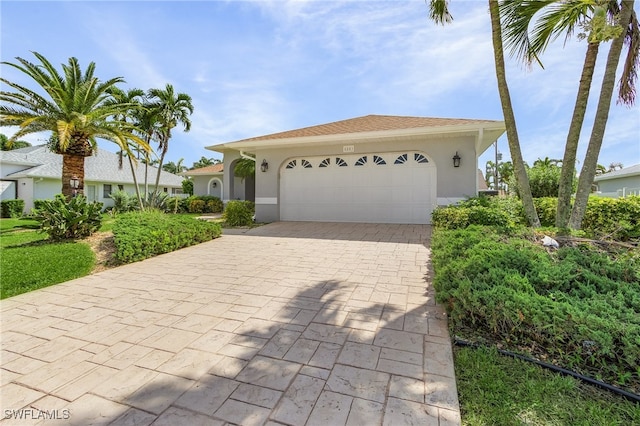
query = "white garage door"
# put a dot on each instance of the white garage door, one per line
(398, 187)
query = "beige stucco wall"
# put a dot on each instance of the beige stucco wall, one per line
(453, 184)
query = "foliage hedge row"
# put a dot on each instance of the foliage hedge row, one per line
(140, 235)
(578, 305)
(11, 208)
(617, 219)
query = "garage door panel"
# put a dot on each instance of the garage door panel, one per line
(384, 193)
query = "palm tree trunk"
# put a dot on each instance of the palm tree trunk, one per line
(135, 183)
(567, 173)
(72, 166)
(507, 109)
(600, 122)
(164, 152)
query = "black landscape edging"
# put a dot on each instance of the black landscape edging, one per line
(628, 395)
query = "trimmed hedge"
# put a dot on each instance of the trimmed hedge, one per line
(11, 208)
(203, 204)
(140, 235)
(576, 304)
(611, 218)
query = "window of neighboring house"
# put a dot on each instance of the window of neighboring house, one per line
(107, 190)
(166, 190)
(120, 187)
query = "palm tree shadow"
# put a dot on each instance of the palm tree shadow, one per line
(302, 353)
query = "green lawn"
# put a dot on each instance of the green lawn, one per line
(499, 390)
(28, 261)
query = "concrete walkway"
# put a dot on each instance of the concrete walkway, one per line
(290, 323)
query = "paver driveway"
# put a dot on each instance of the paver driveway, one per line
(290, 323)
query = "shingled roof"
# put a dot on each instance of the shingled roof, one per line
(369, 123)
(208, 170)
(104, 166)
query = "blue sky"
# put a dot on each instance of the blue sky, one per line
(254, 68)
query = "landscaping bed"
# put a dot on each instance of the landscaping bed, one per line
(576, 306)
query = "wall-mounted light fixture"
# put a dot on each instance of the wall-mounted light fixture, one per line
(456, 160)
(74, 183)
(264, 166)
(215, 184)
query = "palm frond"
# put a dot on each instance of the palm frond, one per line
(439, 12)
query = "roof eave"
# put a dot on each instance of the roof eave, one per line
(487, 129)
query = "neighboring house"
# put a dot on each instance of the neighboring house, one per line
(208, 180)
(34, 173)
(376, 168)
(619, 183)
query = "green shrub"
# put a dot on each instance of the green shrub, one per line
(204, 204)
(475, 211)
(124, 202)
(212, 204)
(239, 213)
(612, 218)
(196, 206)
(546, 208)
(37, 204)
(62, 219)
(578, 305)
(11, 208)
(187, 186)
(140, 235)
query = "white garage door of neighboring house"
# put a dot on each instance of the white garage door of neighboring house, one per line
(398, 187)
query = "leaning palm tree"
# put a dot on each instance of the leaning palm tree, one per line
(439, 12)
(76, 107)
(590, 164)
(171, 109)
(553, 19)
(133, 97)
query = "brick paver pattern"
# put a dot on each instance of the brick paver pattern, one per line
(289, 323)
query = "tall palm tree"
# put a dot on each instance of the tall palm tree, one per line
(171, 109)
(76, 107)
(439, 12)
(588, 171)
(555, 18)
(147, 121)
(133, 97)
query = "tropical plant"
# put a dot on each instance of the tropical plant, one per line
(8, 145)
(174, 168)
(170, 109)
(76, 107)
(204, 162)
(187, 186)
(245, 168)
(438, 11)
(562, 17)
(69, 219)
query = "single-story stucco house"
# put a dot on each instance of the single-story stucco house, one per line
(35, 173)
(375, 168)
(619, 183)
